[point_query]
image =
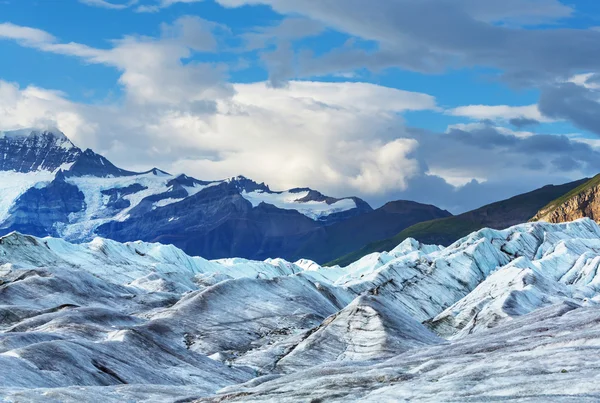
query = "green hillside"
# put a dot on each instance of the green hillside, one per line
(498, 215)
(595, 181)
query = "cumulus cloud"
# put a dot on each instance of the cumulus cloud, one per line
(499, 112)
(37, 107)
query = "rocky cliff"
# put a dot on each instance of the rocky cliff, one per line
(583, 201)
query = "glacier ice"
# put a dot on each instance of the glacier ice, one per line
(499, 314)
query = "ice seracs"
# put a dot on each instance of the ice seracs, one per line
(486, 316)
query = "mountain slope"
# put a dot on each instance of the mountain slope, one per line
(349, 235)
(583, 201)
(48, 186)
(444, 231)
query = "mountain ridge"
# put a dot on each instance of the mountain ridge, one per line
(444, 231)
(77, 194)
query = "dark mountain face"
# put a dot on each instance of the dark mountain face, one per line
(32, 150)
(244, 184)
(348, 235)
(224, 224)
(40, 211)
(88, 163)
(218, 222)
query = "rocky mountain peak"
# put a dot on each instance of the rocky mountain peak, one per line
(88, 163)
(244, 184)
(27, 150)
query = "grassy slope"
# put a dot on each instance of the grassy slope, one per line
(444, 231)
(595, 181)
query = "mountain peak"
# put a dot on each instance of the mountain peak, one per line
(34, 149)
(88, 163)
(157, 172)
(48, 133)
(28, 131)
(245, 184)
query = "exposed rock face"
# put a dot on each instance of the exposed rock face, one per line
(585, 203)
(214, 223)
(351, 234)
(117, 200)
(90, 163)
(32, 150)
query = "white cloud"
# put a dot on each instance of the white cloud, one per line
(474, 126)
(153, 69)
(341, 138)
(358, 97)
(586, 80)
(499, 112)
(24, 35)
(456, 177)
(37, 107)
(109, 5)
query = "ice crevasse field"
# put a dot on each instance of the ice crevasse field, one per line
(483, 318)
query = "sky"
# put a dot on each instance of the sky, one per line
(456, 103)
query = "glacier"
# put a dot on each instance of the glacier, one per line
(498, 315)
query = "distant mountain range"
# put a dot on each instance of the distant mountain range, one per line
(50, 187)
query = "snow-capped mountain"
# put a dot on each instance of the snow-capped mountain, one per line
(490, 315)
(31, 150)
(48, 186)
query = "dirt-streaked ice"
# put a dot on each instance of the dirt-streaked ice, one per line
(508, 314)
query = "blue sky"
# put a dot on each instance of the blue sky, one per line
(455, 103)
